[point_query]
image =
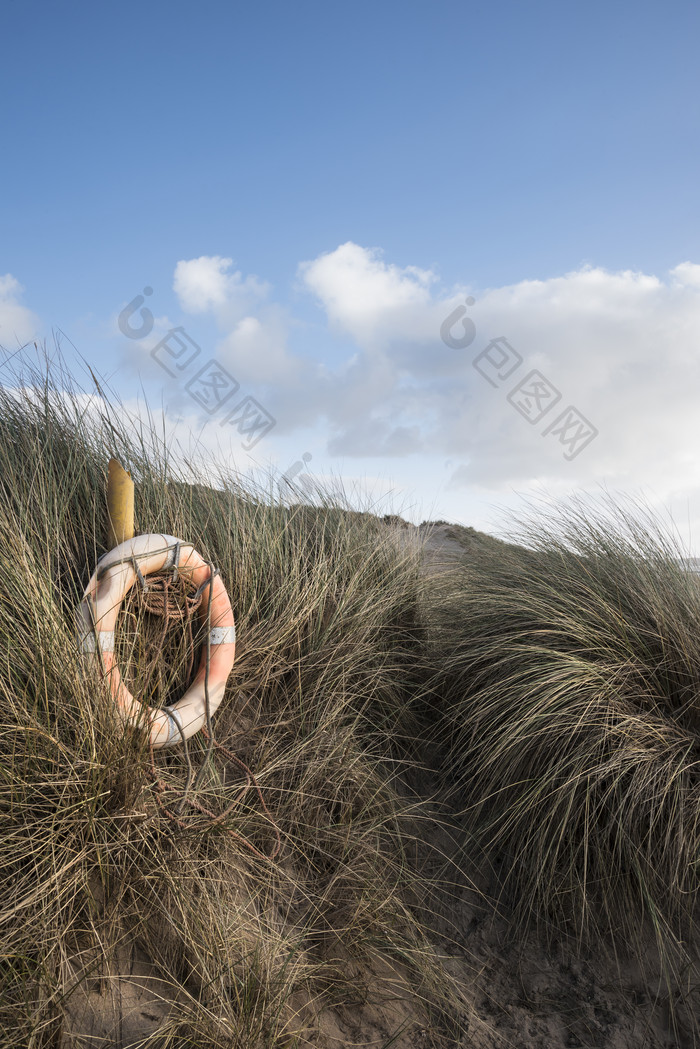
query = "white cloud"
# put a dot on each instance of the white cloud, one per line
(367, 297)
(18, 325)
(687, 273)
(204, 285)
(254, 346)
(256, 349)
(621, 347)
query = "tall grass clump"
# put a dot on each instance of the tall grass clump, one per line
(101, 890)
(570, 722)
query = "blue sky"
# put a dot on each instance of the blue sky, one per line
(310, 189)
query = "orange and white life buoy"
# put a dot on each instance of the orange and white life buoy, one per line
(114, 576)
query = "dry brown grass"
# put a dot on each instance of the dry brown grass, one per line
(250, 950)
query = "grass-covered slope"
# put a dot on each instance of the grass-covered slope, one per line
(253, 951)
(556, 681)
(570, 694)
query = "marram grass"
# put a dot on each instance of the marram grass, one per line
(251, 951)
(558, 679)
(570, 700)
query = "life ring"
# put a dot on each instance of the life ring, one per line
(115, 574)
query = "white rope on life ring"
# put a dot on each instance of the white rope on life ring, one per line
(115, 574)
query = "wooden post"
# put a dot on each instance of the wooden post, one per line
(120, 504)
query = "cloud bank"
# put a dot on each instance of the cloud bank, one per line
(621, 349)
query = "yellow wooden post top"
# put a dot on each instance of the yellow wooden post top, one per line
(120, 504)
